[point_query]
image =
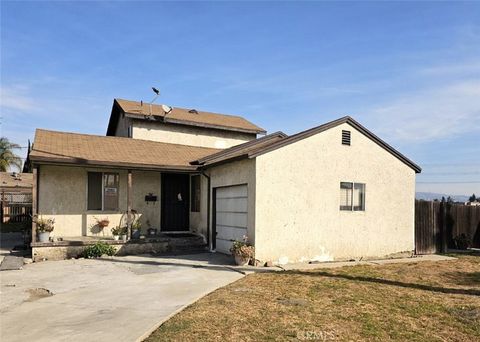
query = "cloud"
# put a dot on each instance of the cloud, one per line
(431, 113)
(15, 98)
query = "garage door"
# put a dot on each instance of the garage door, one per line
(230, 216)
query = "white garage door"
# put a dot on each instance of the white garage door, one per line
(231, 216)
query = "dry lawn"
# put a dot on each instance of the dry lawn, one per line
(427, 301)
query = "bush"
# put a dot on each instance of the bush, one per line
(462, 241)
(97, 250)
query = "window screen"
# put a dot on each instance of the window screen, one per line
(358, 196)
(94, 191)
(346, 196)
(110, 191)
(195, 193)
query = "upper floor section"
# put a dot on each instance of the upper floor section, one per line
(140, 120)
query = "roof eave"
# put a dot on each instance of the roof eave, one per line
(167, 120)
(39, 160)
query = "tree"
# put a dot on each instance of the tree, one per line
(7, 157)
(472, 198)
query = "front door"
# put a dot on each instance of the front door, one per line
(175, 202)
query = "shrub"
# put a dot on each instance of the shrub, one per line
(97, 250)
(462, 241)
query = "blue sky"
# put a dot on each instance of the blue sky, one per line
(408, 71)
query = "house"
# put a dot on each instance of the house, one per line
(15, 196)
(322, 194)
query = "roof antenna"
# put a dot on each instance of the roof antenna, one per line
(157, 94)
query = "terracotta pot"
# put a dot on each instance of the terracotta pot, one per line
(241, 261)
(44, 237)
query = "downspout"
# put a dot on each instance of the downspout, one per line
(208, 208)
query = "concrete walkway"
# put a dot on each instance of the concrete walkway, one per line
(116, 299)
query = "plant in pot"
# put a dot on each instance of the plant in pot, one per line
(136, 229)
(123, 233)
(151, 231)
(100, 224)
(116, 232)
(242, 251)
(44, 228)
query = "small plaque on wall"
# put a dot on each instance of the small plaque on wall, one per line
(150, 198)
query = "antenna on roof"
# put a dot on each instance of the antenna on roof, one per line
(157, 94)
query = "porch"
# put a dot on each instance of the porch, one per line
(160, 211)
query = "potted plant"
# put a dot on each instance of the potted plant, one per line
(116, 232)
(136, 229)
(242, 251)
(123, 233)
(44, 228)
(151, 231)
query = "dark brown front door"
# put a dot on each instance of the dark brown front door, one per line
(175, 202)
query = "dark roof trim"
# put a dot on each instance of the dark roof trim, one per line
(82, 163)
(233, 149)
(114, 115)
(347, 119)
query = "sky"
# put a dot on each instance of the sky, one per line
(408, 71)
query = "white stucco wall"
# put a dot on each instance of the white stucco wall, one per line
(63, 196)
(236, 173)
(297, 215)
(177, 134)
(198, 220)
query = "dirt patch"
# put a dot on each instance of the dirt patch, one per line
(38, 293)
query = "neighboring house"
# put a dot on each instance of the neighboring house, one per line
(15, 196)
(322, 194)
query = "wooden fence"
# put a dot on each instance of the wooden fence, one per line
(437, 224)
(15, 207)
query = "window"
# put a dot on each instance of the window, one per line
(102, 191)
(352, 196)
(195, 193)
(346, 137)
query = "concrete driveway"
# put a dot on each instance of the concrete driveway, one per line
(117, 299)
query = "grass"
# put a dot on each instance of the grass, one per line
(426, 301)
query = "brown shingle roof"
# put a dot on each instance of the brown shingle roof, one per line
(17, 180)
(74, 148)
(187, 117)
(241, 150)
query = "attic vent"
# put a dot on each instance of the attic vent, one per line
(193, 111)
(345, 137)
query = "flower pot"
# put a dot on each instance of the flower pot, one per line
(136, 234)
(124, 237)
(44, 237)
(241, 261)
(116, 237)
